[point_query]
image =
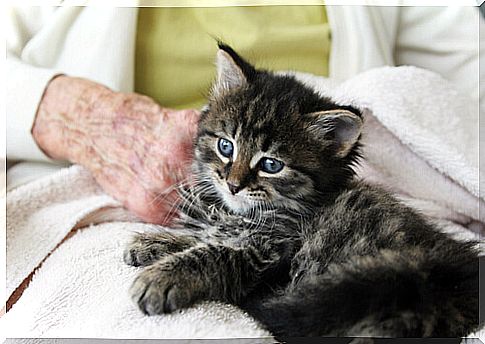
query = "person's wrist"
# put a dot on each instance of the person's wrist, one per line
(68, 105)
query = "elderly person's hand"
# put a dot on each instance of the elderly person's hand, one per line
(135, 149)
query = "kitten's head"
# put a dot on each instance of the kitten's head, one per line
(268, 141)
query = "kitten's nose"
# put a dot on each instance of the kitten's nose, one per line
(233, 188)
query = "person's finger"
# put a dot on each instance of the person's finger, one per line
(154, 208)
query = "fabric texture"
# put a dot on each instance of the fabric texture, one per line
(80, 289)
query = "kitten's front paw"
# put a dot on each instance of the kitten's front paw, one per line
(147, 248)
(160, 289)
(137, 254)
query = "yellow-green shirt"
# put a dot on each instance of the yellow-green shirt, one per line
(176, 47)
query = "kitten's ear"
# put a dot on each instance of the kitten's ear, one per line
(342, 126)
(232, 70)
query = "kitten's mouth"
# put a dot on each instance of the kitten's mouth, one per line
(240, 203)
(243, 201)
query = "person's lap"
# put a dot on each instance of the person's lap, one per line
(81, 290)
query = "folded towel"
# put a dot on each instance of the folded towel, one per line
(420, 140)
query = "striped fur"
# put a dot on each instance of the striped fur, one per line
(308, 251)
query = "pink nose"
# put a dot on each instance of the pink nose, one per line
(233, 188)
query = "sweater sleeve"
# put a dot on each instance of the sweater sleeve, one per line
(444, 40)
(25, 82)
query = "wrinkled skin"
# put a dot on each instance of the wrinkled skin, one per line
(135, 149)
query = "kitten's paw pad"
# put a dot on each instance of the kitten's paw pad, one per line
(156, 291)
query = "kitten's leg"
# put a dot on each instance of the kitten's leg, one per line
(204, 272)
(147, 248)
(399, 293)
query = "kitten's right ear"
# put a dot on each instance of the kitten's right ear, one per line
(340, 125)
(232, 70)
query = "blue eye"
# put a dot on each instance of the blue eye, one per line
(225, 147)
(270, 165)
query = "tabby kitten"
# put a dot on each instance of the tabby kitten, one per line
(276, 223)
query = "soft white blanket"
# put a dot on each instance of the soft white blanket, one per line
(421, 140)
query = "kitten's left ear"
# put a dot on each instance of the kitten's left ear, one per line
(342, 126)
(232, 70)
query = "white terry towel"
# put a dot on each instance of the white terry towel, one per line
(420, 140)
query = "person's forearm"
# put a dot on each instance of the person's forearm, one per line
(135, 149)
(67, 105)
